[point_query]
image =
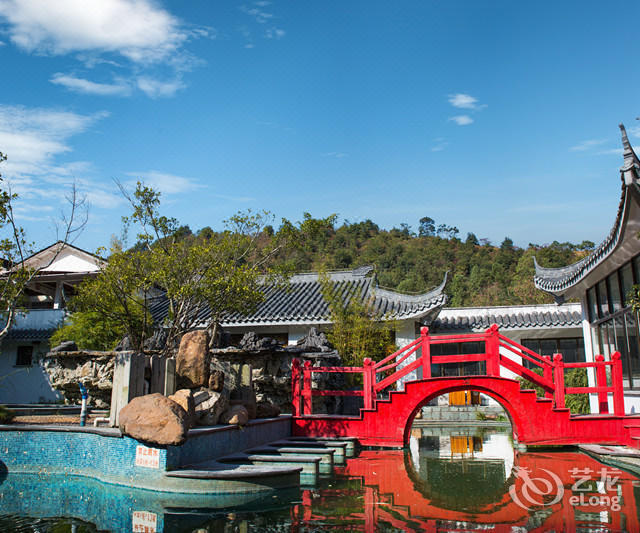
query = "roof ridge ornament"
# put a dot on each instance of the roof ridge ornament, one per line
(630, 169)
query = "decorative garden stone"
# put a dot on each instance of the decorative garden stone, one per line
(192, 362)
(266, 409)
(155, 419)
(184, 398)
(236, 414)
(209, 405)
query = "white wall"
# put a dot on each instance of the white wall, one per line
(20, 384)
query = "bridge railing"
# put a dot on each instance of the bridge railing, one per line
(500, 352)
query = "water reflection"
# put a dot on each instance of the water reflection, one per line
(447, 480)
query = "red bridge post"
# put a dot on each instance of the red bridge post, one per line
(492, 349)
(601, 381)
(558, 380)
(547, 373)
(426, 353)
(307, 408)
(295, 386)
(616, 383)
(368, 381)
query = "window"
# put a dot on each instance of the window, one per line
(614, 292)
(593, 304)
(24, 356)
(572, 349)
(627, 281)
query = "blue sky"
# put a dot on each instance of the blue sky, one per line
(496, 117)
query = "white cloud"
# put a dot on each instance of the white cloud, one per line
(165, 183)
(587, 145)
(615, 151)
(635, 131)
(464, 101)
(81, 85)
(32, 137)
(462, 120)
(136, 29)
(337, 155)
(440, 144)
(155, 88)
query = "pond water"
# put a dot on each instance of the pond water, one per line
(446, 480)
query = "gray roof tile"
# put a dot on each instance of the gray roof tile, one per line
(301, 302)
(506, 318)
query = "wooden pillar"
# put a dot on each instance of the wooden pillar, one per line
(368, 382)
(492, 348)
(548, 374)
(558, 380)
(601, 381)
(616, 383)
(307, 400)
(426, 353)
(295, 387)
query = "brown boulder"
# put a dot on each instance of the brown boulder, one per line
(216, 380)
(156, 419)
(266, 409)
(184, 398)
(192, 362)
(236, 414)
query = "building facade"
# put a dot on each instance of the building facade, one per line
(60, 268)
(603, 283)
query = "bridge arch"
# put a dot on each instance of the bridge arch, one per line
(415, 402)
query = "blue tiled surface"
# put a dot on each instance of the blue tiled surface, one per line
(203, 447)
(112, 459)
(112, 507)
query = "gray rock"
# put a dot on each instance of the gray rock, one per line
(157, 341)
(314, 342)
(66, 346)
(124, 345)
(252, 343)
(209, 405)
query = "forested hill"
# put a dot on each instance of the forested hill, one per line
(480, 273)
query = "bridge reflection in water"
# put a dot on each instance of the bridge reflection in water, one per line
(473, 481)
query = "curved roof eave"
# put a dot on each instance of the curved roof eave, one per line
(560, 281)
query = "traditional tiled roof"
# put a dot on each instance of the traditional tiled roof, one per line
(477, 319)
(29, 334)
(301, 302)
(559, 280)
(35, 324)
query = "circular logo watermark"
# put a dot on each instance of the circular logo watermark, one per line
(537, 491)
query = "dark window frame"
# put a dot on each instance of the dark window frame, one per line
(24, 355)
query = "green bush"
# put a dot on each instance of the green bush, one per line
(89, 330)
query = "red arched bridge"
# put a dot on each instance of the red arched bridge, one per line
(388, 414)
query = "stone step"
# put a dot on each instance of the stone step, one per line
(326, 455)
(351, 442)
(310, 464)
(339, 447)
(229, 472)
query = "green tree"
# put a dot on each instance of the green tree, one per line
(357, 331)
(224, 272)
(90, 331)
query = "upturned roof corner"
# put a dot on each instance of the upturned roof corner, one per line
(630, 169)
